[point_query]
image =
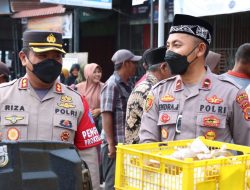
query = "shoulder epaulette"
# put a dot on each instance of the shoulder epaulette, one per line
(229, 80)
(164, 81)
(73, 90)
(8, 83)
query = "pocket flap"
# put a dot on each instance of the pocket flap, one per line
(65, 122)
(14, 118)
(210, 120)
(167, 118)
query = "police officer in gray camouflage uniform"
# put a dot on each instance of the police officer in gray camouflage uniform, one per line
(195, 102)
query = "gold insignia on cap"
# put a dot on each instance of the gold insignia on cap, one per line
(51, 38)
(14, 118)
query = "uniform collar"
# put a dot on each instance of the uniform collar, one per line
(24, 85)
(205, 83)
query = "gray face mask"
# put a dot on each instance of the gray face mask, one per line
(178, 63)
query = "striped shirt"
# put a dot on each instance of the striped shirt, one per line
(114, 97)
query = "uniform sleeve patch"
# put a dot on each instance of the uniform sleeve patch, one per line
(149, 102)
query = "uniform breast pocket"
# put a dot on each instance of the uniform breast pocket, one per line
(64, 128)
(167, 122)
(212, 126)
(15, 125)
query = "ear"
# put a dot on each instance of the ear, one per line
(23, 58)
(202, 49)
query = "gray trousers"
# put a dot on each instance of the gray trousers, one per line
(108, 167)
(90, 156)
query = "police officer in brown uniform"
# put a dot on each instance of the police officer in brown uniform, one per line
(195, 102)
(38, 107)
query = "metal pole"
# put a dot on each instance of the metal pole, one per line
(76, 30)
(161, 22)
(152, 24)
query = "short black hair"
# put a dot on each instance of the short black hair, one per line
(243, 53)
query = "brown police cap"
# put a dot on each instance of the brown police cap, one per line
(42, 41)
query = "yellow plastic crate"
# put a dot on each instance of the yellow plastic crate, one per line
(146, 167)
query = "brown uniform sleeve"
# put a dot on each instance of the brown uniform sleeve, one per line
(241, 119)
(149, 131)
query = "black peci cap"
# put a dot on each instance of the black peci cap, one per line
(42, 41)
(154, 56)
(192, 25)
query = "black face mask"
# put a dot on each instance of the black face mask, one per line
(47, 70)
(178, 63)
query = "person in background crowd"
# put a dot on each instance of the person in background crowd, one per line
(195, 102)
(157, 71)
(91, 90)
(4, 73)
(80, 78)
(212, 61)
(240, 73)
(114, 96)
(38, 107)
(64, 75)
(73, 74)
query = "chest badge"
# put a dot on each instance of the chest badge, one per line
(214, 100)
(13, 134)
(211, 121)
(165, 118)
(66, 102)
(167, 98)
(164, 133)
(65, 136)
(14, 118)
(66, 123)
(210, 135)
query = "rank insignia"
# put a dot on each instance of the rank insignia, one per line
(210, 135)
(24, 83)
(65, 136)
(66, 123)
(58, 88)
(214, 100)
(164, 133)
(167, 98)
(178, 85)
(211, 121)
(14, 118)
(206, 83)
(165, 118)
(247, 113)
(242, 97)
(66, 102)
(13, 134)
(149, 102)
